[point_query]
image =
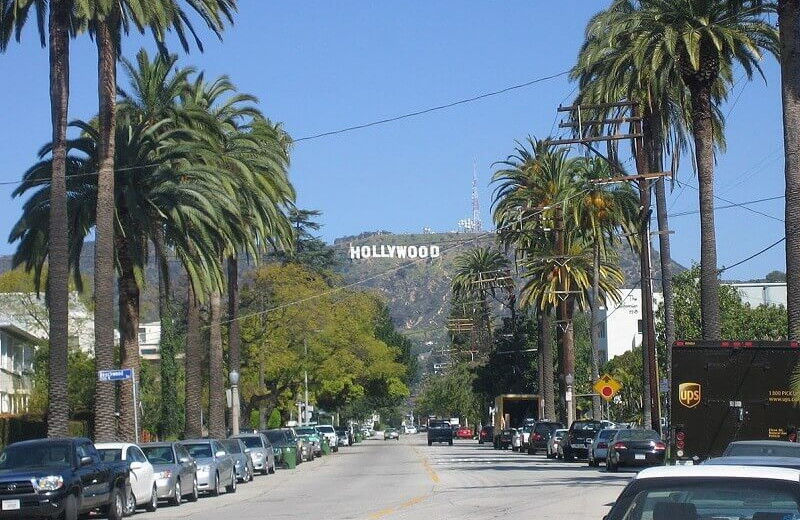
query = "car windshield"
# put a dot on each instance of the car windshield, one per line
(232, 445)
(251, 442)
(158, 454)
(604, 435)
(200, 450)
(637, 435)
(50, 455)
(440, 424)
(109, 454)
(559, 433)
(728, 498)
(762, 450)
(305, 431)
(587, 426)
(276, 437)
(326, 429)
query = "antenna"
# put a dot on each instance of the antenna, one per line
(476, 204)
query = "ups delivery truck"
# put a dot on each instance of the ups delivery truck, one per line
(725, 391)
(511, 411)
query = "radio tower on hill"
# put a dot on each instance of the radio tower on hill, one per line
(477, 225)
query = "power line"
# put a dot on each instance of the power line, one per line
(432, 109)
(740, 262)
(728, 206)
(733, 203)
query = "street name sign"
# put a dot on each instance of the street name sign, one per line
(115, 375)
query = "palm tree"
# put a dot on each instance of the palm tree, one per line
(58, 13)
(699, 42)
(601, 213)
(479, 273)
(789, 22)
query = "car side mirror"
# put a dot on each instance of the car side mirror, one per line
(221, 453)
(183, 460)
(136, 465)
(86, 461)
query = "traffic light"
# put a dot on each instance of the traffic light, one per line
(680, 440)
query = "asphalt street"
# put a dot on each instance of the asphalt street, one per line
(407, 479)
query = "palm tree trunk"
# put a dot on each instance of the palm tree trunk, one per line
(216, 383)
(193, 427)
(702, 128)
(234, 336)
(546, 358)
(594, 303)
(666, 277)
(789, 23)
(644, 283)
(129, 337)
(58, 268)
(104, 232)
(568, 341)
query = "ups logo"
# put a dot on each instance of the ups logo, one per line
(689, 394)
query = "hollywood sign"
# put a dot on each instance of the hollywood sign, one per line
(387, 251)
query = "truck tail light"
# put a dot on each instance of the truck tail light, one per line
(537, 437)
(620, 446)
(602, 445)
(680, 438)
(661, 446)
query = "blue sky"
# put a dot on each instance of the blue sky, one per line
(320, 66)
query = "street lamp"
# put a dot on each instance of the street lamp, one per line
(234, 378)
(569, 379)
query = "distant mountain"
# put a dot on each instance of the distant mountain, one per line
(418, 292)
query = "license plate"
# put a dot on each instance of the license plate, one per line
(639, 456)
(684, 463)
(10, 505)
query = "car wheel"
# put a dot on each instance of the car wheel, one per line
(115, 509)
(195, 491)
(215, 491)
(430, 443)
(451, 442)
(568, 456)
(610, 467)
(70, 508)
(531, 451)
(152, 505)
(176, 500)
(232, 487)
(271, 468)
(130, 504)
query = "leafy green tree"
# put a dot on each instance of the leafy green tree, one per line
(450, 395)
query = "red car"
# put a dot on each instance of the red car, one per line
(464, 433)
(486, 435)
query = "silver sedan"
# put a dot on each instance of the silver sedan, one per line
(214, 465)
(176, 471)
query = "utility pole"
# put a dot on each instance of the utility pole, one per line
(590, 124)
(304, 418)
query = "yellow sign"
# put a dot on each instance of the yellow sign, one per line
(689, 394)
(607, 387)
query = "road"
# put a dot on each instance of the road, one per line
(407, 479)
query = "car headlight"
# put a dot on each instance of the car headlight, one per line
(258, 455)
(49, 483)
(167, 473)
(287, 449)
(203, 469)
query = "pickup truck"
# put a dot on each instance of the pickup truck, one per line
(440, 431)
(60, 478)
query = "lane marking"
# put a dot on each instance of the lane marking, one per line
(431, 473)
(391, 510)
(383, 512)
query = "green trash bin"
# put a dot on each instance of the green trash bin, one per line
(290, 458)
(326, 448)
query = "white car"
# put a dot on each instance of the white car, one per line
(144, 491)
(411, 430)
(329, 433)
(692, 492)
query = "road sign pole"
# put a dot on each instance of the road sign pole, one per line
(135, 408)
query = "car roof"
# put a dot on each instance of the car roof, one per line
(767, 443)
(59, 440)
(156, 444)
(752, 460)
(113, 445)
(720, 471)
(196, 441)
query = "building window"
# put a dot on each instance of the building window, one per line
(639, 326)
(142, 335)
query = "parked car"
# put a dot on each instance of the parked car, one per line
(465, 432)
(176, 471)
(411, 430)
(505, 438)
(241, 459)
(261, 451)
(67, 475)
(553, 445)
(327, 431)
(749, 460)
(517, 438)
(539, 437)
(310, 435)
(692, 492)
(282, 444)
(143, 490)
(486, 434)
(344, 436)
(391, 433)
(635, 448)
(598, 449)
(214, 465)
(580, 436)
(762, 449)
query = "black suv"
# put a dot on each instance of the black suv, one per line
(581, 434)
(541, 433)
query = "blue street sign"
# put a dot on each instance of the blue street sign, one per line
(115, 375)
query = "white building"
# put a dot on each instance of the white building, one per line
(149, 340)
(28, 312)
(622, 323)
(17, 349)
